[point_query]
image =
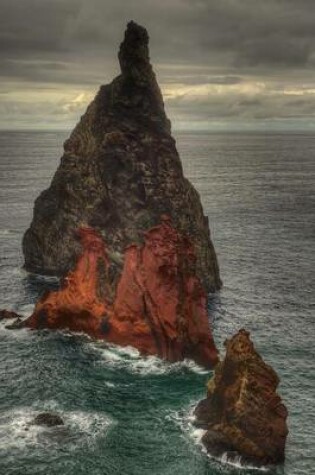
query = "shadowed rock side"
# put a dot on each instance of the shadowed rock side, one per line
(243, 414)
(120, 171)
(158, 307)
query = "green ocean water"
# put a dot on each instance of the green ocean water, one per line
(128, 415)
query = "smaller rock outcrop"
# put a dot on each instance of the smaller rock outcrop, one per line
(158, 304)
(243, 415)
(8, 315)
(47, 419)
(16, 325)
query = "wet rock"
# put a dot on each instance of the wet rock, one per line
(158, 304)
(47, 419)
(243, 414)
(8, 314)
(16, 325)
(120, 171)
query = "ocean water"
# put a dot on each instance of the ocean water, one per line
(128, 415)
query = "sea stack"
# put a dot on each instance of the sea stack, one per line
(243, 415)
(119, 173)
(158, 304)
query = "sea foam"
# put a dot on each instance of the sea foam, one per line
(185, 418)
(131, 360)
(80, 428)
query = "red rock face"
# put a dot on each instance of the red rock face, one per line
(78, 305)
(159, 305)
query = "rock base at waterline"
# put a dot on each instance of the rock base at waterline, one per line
(158, 304)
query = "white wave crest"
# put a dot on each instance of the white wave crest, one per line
(185, 418)
(26, 310)
(130, 359)
(235, 461)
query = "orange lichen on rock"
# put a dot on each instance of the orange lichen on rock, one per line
(243, 415)
(159, 306)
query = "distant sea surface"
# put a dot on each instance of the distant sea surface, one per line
(126, 415)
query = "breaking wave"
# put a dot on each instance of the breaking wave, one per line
(185, 418)
(130, 359)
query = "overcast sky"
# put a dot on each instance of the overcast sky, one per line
(220, 63)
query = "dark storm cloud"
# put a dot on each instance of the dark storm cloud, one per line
(222, 43)
(33, 26)
(221, 32)
(269, 32)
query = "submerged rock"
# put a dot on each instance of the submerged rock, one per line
(47, 419)
(158, 305)
(243, 415)
(16, 325)
(10, 315)
(119, 172)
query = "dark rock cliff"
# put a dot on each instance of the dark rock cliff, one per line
(120, 171)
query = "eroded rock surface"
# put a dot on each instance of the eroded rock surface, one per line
(158, 305)
(119, 172)
(243, 414)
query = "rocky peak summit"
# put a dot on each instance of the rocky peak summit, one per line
(119, 173)
(133, 54)
(136, 89)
